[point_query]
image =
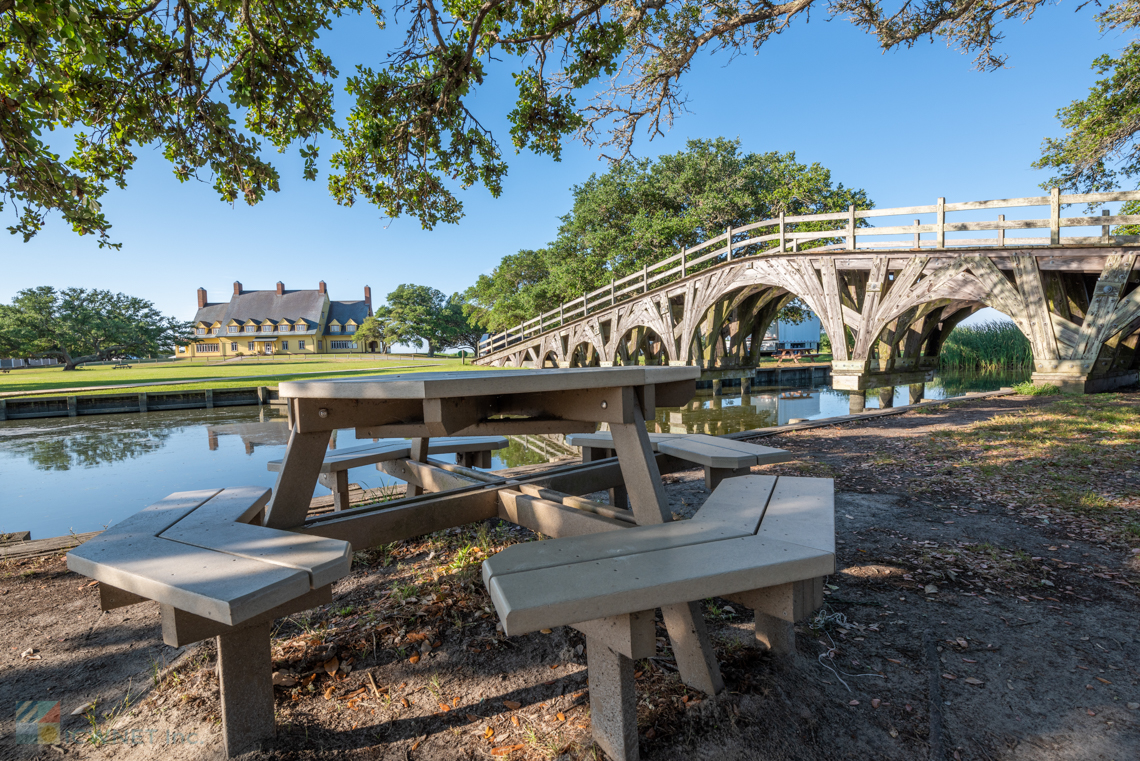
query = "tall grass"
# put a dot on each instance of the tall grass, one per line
(986, 346)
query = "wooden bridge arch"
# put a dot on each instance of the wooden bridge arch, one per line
(886, 305)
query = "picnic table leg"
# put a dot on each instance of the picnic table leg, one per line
(619, 497)
(245, 672)
(340, 490)
(689, 638)
(297, 479)
(696, 661)
(419, 453)
(613, 701)
(639, 471)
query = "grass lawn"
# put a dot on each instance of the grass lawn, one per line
(183, 375)
(1070, 459)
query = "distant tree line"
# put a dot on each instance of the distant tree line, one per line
(642, 211)
(77, 325)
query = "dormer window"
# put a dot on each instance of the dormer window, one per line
(349, 328)
(334, 328)
(235, 329)
(250, 328)
(214, 331)
(283, 327)
(266, 328)
(201, 331)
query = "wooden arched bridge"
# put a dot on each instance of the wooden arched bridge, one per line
(886, 296)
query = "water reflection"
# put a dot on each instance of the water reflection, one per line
(85, 473)
(80, 445)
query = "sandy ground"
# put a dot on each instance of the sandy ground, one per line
(957, 628)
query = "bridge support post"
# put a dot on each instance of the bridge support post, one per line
(886, 397)
(745, 386)
(857, 402)
(917, 392)
(718, 387)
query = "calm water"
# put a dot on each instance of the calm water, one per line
(82, 474)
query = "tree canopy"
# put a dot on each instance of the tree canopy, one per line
(78, 325)
(1100, 149)
(418, 314)
(214, 83)
(642, 211)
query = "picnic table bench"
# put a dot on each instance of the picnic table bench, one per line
(226, 562)
(721, 458)
(120, 365)
(470, 451)
(762, 541)
(215, 573)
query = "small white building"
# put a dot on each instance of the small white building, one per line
(786, 335)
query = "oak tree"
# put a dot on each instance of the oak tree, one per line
(214, 84)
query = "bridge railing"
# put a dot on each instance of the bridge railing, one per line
(846, 231)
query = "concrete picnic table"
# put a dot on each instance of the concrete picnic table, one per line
(421, 406)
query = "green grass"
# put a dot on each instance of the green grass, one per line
(185, 375)
(1069, 457)
(988, 346)
(1031, 389)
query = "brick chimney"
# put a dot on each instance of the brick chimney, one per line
(280, 288)
(201, 297)
(322, 287)
(237, 288)
(368, 296)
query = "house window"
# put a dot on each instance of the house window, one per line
(266, 328)
(233, 345)
(181, 349)
(234, 329)
(284, 346)
(213, 331)
(283, 328)
(201, 331)
(204, 348)
(252, 345)
(341, 345)
(250, 328)
(349, 328)
(334, 328)
(319, 346)
(301, 345)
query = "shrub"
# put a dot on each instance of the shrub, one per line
(1028, 388)
(988, 346)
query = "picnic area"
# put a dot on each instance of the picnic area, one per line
(840, 591)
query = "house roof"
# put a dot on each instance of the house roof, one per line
(343, 311)
(260, 305)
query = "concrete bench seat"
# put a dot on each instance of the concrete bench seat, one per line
(471, 451)
(720, 457)
(216, 573)
(762, 541)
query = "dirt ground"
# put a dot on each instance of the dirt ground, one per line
(963, 624)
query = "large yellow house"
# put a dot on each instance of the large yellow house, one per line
(278, 322)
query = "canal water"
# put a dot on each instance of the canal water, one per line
(82, 474)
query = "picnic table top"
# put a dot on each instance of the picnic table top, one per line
(443, 385)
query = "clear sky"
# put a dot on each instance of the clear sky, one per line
(908, 126)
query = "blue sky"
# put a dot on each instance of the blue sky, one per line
(908, 126)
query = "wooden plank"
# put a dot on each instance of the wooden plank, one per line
(717, 453)
(801, 511)
(552, 518)
(1106, 296)
(213, 527)
(425, 475)
(297, 479)
(541, 599)
(222, 587)
(605, 440)
(1037, 307)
